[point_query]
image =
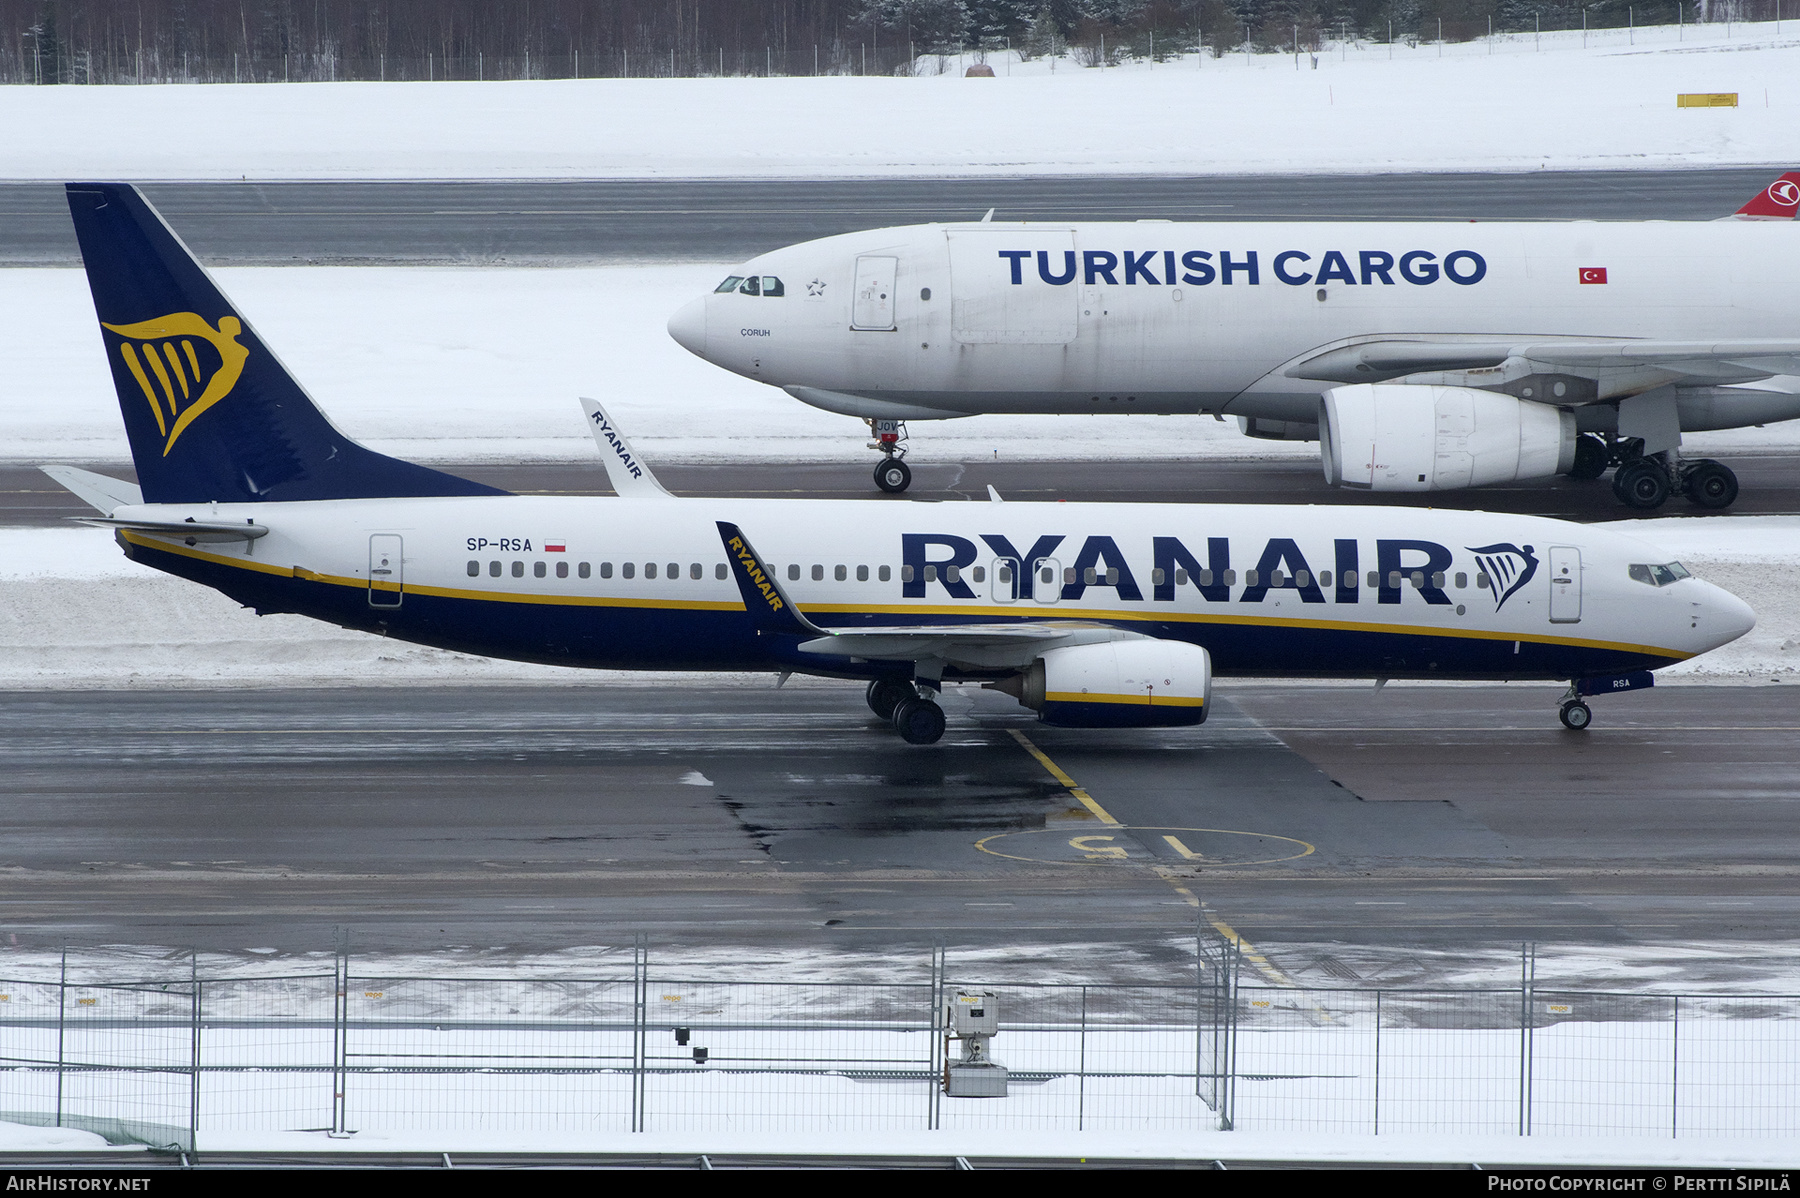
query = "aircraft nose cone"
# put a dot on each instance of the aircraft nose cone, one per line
(1728, 616)
(688, 327)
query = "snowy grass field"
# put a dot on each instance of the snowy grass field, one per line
(1516, 102)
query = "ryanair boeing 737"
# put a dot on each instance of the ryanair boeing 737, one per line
(1421, 357)
(1093, 615)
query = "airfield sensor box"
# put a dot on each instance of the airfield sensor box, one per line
(972, 1017)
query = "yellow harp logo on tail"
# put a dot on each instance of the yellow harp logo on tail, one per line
(183, 364)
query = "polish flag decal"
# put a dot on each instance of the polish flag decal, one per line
(1593, 274)
(556, 546)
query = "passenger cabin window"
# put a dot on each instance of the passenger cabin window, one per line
(839, 573)
(493, 569)
(1658, 576)
(719, 571)
(793, 573)
(887, 572)
(627, 569)
(538, 569)
(562, 569)
(474, 569)
(696, 571)
(730, 284)
(518, 569)
(818, 573)
(649, 569)
(862, 573)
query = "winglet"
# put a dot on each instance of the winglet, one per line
(629, 476)
(1780, 200)
(769, 607)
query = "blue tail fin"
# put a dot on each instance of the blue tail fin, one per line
(210, 411)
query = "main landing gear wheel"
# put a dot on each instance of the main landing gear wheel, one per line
(893, 476)
(1711, 484)
(1592, 456)
(1576, 715)
(1643, 484)
(885, 694)
(919, 721)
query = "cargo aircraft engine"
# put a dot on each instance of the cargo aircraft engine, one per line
(1413, 437)
(1135, 683)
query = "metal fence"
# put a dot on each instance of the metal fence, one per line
(645, 1046)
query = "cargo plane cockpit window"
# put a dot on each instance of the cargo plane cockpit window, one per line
(1658, 576)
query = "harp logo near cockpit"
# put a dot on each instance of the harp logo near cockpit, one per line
(1508, 568)
(183, 365)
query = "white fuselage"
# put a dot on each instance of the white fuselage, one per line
(1267, 590)
(1159, 317)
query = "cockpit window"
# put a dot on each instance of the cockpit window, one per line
(1659, 576)
(752, 286)
(772, 286)
(730, 284)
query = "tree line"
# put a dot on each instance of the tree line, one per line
(108, 41)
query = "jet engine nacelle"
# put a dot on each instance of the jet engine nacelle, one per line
(1138, 683)
(1418, 437)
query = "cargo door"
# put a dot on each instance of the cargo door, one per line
(386, 580)
(872, 300)
(1565, 584)
(1012, 288)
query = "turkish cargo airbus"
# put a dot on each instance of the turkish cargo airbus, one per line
(1421, 356)
(1093, 615)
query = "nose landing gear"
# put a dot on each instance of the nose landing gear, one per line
(1575, 715)
(891, 473)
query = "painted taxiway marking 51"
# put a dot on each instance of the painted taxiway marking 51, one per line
(1251, 953)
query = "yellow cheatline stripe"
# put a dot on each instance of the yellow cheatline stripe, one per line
(1081, 796)
(841, 608)
(301, 572)
(1144, 700)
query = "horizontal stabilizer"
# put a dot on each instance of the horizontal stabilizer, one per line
(630, 477)
(770, 609)
(194, 532)
(98, 491)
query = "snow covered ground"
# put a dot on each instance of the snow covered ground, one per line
(1514, 103)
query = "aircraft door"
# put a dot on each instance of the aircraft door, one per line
(1006, 580)
(386, 574)
(872, 299)
(1046, 580)
(1565, 584)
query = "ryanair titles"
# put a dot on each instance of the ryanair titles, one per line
(1198, 268)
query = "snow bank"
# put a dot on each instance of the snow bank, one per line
(1511, 104)
(74, 613)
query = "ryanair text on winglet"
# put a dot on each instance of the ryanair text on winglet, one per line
(755, 573)
(618, 446)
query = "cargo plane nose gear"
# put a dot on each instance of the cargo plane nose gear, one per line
(891, 473)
